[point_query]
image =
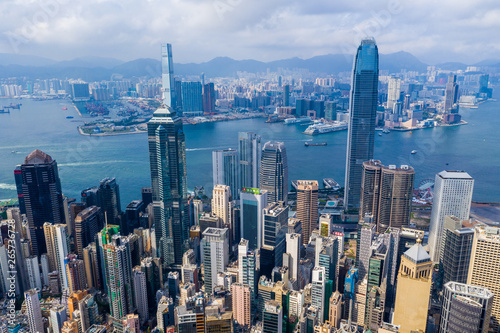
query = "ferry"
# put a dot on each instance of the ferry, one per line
(307, 144)
(386, 131)
(69, 117)
(325, 128)
(413, 151)
(291, 121)
(330, 183)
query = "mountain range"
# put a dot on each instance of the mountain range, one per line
(101, 68)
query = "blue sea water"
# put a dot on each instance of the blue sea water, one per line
(84, 160)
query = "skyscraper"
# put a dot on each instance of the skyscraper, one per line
(225, 165)
(215, 244)
(452, 196)
(274, 171)
(272, 320)
(362, 116)
(140, 293)
(318, 290)
(57, 317)
(393, 91)
(75, 272)
(241, 303)
(34, 311)
(273, 237)
(87, 224)
(167, 155)
(250, 151)
(41, 191)
(208, 98)
(109, 200)
(118, 269)
(252, 202)
(465, 308)
(222, 204)
(248, 275)
(386, 193)
(33, 271)
(484, 268)
(413, 290)
(451, 95)
(56, 236)
(167, 76)
(192, 100)
(307, 207)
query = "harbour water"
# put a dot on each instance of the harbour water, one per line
(84, 160)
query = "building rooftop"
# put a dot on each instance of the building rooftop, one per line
(454, 175)
(417, 254)
(37, 157)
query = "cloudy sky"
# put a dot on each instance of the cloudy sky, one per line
(434, 31)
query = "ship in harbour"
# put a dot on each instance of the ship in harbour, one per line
(322, 128)
(299, 120)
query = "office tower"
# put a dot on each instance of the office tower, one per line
(335, 309)
(413, 290)
(451, 95)
(90, 196)
(272, 320)
(33, 310)
(252, 203)
(118, 269)
(452, 196)
(215, 243)
(146, 195)
(33, 271)
(173, 284)
(75, 271)
(41, 191)
(386, 194)
(225, 164)
(327, 257)
(325, 224)
(457, 246)
(293, 244)
(140, 293)
(57, 317)
(362, 116)
(167, 76)
(56, 237)
(465, 308)
(167, 155)
(274, 171)
(330, 111)
(208, 98)
(393, 91)
(87, 224)
(44, 261)
(109, 200)
(273, 237)
(241, 303)
(91, 263)
(165, 313)
(318, 291)
(192, 100)
(221, 203)
(133, 214)
(154, 278)
(484, 270)
(286, 95)
(307, 207)
(249, 150)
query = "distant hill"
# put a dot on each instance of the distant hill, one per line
(100, 68)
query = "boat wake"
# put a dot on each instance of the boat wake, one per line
(4, 186)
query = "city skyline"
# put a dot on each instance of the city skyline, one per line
(58, 30)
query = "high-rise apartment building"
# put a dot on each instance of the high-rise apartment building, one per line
(274, 171)
(452, 196)
(393, 91)
(225, 164)
(484, 268)
(386, 194)
(413, 290)
(40, 189)
(33, 271)
(307, 207)
(34, 311)
(362, 116)
(140, 293)
(252, 203)
(215, 244)
(318, 290)
(241, 303)
(167, 155)
(247, 274)
(465, 308)
(250, 151)
(57, 317)
(75, 271)
(56, 237)
(118, 270)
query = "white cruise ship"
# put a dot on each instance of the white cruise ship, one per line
(326, 128)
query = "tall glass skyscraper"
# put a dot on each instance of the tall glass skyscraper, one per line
(249, 149)
(362, 115)
(167, 76)
(41, 190)
(167, 156)
(274, 171)
(225, 170)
